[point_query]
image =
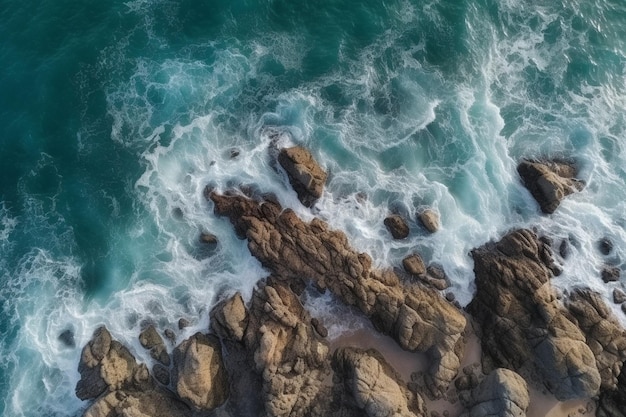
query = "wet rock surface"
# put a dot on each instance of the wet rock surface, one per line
(305, 175)
(549, 182)
(397, 226)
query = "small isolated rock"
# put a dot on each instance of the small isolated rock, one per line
(208, 238)
(429, 219)
(170, 335)
(549, 182)
(397, 226)
(610, 274)
(199, 375)
(564, 249)
(234, 153)
(414, 265)
(619, 296)
(182, 323)
(305, 175)
(605, 246)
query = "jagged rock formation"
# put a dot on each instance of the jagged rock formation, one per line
(549, 182)
(122, 387)
(418, 318)
(373, 386)
(199, 375)
(502, 393)
(281, 346)
(524, 326)
(604, 334)
(153, 342)
(305, 175)
(106, 365)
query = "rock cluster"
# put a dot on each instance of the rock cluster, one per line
(418, 318)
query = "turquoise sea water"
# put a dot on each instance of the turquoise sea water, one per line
(115, 115)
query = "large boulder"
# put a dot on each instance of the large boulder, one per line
(106, 365)
(305, 175)
(374, 386)
(199, 375)
(523, 325)
(502, 393)
(549, 182)
(418, 318)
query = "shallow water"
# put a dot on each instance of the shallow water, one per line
(116, 115)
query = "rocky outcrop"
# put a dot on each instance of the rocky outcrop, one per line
(229, 318)
(305, 175)
(287, 351)
(429, 218)
(418, 318)
(502, 393)
(199, 375)
(549, 182)
(397, 226)
(373, 386)
(604, 334)
(150, 403)
(523, 325)
(106, 366)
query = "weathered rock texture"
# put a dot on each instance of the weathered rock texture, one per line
(524, 326)
(373, 386)
(604, 334)
(502, 393)
(418, 318)
(305, 175)
(429, 219)
(153, 342)
(151, 403)
(549, 182)
(106, 365)
(612, 403)
(199, 375)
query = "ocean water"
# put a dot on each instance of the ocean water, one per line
(115, 115)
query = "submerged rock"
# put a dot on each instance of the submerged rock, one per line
(418, 318)
(67, 338)
(549, 182)
(523, 325)
(610, 274)
(199, 375)
(305, 175)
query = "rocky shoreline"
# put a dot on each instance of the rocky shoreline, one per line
(268, 356)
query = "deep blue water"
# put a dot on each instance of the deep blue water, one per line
(115, 115)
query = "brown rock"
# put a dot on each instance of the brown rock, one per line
(502, 393)
(106, 365)
(199, 376)
(319, 327)
(549, 182)
(229, 318)
(414, 265)
(397, 226)
(418, 318)
(524, 326)
(604, 334)
(374, 385)
(305, 175)
(429, 218)
(152, 341)
(151, 403)
(208, 238)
